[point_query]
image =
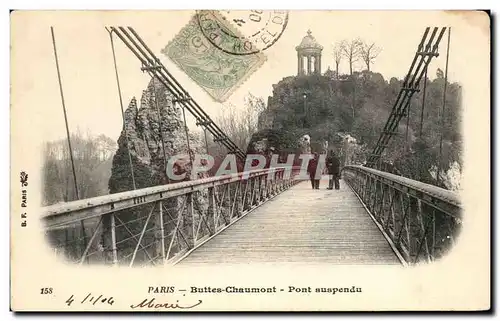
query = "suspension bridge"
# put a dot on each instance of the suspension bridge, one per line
(267, 215)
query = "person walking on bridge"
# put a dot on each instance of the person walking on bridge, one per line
(312, 169)
(333, 167)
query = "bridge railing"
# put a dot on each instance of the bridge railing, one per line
(421, 221)
(158, 224)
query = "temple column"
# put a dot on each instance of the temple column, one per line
(298, 64)
(317, 64)
(300, 67)
(308, 65)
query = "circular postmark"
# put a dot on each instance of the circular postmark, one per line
(242, 32)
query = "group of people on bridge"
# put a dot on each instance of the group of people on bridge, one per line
(316, 170)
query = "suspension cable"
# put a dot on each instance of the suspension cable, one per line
(155, 68)
(421, 128)
(444, 107)
(408, 121)
(423, 104)
(65, 115)
(67, 131)
(187, 137)
(425, 52)
(206, 140)
(121, 107)
(183, 95)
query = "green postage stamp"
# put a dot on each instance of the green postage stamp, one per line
(198, 49)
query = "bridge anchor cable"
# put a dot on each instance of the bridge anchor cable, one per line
(67, 131)
(444, 109)
(147, 58)
(121, 107)
(427, 49)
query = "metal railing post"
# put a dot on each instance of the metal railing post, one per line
(142, 235)
(212, 209)
(113, 240)
(160, 233)
(189, 221)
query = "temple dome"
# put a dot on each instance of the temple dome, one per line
(309, 56)
(309, 42)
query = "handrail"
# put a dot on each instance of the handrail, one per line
(428, 189)
(114, 202)
(160, 223)
(419, 220)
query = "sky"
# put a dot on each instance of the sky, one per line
(87, 69)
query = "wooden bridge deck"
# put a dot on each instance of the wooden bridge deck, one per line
(301, 225)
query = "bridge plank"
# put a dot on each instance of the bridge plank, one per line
(301, 225)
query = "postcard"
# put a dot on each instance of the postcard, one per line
(250, 160)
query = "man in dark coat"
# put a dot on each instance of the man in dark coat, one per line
(333, 166)
(312, 168)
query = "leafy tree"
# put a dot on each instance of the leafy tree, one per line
(327, 111)
(92, 158)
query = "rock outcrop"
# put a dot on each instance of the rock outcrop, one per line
(153, 133)
(142, 135)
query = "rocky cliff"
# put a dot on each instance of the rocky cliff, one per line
(153, 132)
(145, 126)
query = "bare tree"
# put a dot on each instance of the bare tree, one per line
(337, 55)
(255, 104)
(241, 124)
(368, 53)
(351, 51)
